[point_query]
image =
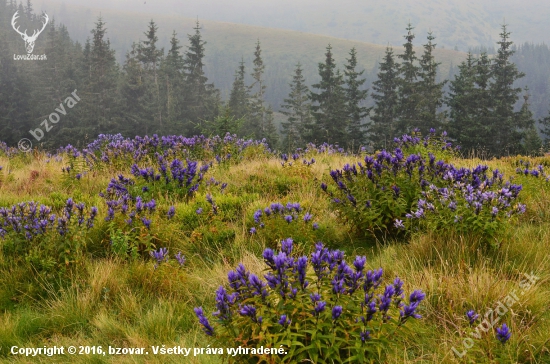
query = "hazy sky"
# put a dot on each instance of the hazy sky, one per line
(455, 23)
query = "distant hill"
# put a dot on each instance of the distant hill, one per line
(456, 23)
(228, 42)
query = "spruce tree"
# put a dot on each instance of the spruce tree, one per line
(329, 104)
(531, 142)
(297, 109)
(151, 56)
(135, 94)
(173, 87)
(202, 98)
(238, 98)
(506, 134)
(101, 83)
(355, 98)
(385, 111)
(409, 97)
(255, 120)
(465, 127)
(430, 92)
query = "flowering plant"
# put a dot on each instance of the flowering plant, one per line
(319, 308)
(394, 192)
(29, 226)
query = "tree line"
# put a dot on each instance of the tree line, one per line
(167, 92)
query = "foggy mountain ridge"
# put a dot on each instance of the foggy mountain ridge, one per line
(228, 42)
(456, 23)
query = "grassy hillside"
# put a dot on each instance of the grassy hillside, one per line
(100, 286)
(228, 42)
(456, 23)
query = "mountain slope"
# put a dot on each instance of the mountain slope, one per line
(228, 42)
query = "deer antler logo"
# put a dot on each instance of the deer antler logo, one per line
(29, 41)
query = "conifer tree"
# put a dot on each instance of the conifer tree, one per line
(409, 98)
(384, 119)
(101, 82)
(255, 120)
(238, 98)
(532, 143)
(173, 86)
(506, 134)
(430, 92)
(329, 104)
(297, 109)
(355, 98)
(151, 56)
(483, 102)
(135, 94)
(465, 127)
(201, 100)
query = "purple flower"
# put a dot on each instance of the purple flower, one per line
(472, 316)
(319, 307)
(252, 230)
(208, 329)
(171, 212)
(359, 263)
(250, 311)
(371, 307)
(257, 216)
(398, 286)
(307, 217)
(503, 333)
(409, 311)
(180, 258)
(284, 320)
(146, 222)
(160, 255)
(199, 211)
(269, 258)
(315, 226)
(417, 296)
(315, 297)
(288, 218)
(209, 198)
(399, 224)
(336, 312)
(365, 335)
(286, 246)
(257, 286)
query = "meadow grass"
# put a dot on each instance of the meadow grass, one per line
(108, 300)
